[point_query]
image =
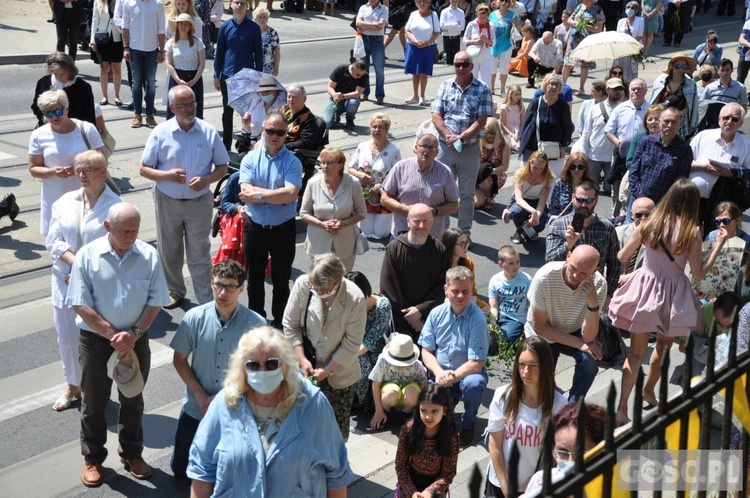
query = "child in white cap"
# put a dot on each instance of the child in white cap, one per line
(397, 378)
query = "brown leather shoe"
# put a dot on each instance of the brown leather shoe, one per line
(137, 467)
(92, 475)
(150, 121)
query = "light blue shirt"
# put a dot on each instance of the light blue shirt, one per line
(195, 150)
(211, 344)
(117, 288)
(511, 295)
(264, 171)
(306, 458)
(456, 339)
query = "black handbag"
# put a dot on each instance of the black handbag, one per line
(307, 345)
(102, 38)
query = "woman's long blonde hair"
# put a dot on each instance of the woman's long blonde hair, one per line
(235, 376)
(524, 174)
(494, 125)
(190, 10)
(680, 204)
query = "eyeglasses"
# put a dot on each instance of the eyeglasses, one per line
(56, 112)
(564, 455)
(734, 119)
(723, 221)
(638, 216)
(461, 64)
(87, 170)
(271, 132)
(428, 148)
(584, 200)
(270, 364)
(218, 286)
(680, 66)
(579, 167)
(185, 106)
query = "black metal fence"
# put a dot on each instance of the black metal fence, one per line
(651, 432)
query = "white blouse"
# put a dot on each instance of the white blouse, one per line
(378, 166)
(66, 218)
(185, 57)
(59, 149)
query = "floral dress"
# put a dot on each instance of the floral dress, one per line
(376, 330)
(203, 8)
(592, 16)
(271, 44)
(559, 200)
(377, 167)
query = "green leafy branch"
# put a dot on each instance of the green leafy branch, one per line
(507, 352)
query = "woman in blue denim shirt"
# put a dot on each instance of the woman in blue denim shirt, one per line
(269, 432)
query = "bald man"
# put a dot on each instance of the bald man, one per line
(639, 211)
(546, 56)
(413, 272)
(117, 287)
(565, 299)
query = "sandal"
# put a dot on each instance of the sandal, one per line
(650, 399)
(621, 419)
(411, 101)
(423, 102)
(65, 400)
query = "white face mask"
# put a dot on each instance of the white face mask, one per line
(329, 294)
(564, 465)
(265, 381)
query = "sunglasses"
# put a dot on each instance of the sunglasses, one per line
(271, 132)
(638, 216)
(734, 119)
(579, 167)
(616, 73)
(490, 133)
(583, 200)
(461, 64)
(680, 66)
(723, 221)
(56, 112)
(483, 11)
(270, 364)
(218, 286)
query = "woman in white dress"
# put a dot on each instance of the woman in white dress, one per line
(77, 218)
(52, 148)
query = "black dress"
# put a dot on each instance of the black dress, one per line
(80, 95)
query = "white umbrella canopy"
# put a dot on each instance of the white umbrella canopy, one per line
(606, 45)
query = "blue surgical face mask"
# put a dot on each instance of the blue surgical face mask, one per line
(564, 465)
(265, 381)
(268, 98)
(630, 12)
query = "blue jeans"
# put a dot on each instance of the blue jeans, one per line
(187, 426)
(144, 72)
(471, 388)
(348, 106)
(585, 370)
(374, 48)
(511, 329)
(520, 216)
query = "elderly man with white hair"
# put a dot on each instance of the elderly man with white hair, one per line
(719, 153)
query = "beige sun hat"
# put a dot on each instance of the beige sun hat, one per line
(401, 351)
(126, 371)
(181, 18)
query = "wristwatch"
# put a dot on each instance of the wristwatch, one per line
(139, 332)
(259, 196)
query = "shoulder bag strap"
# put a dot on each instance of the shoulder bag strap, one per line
(669, 254)
(604, 112)
(304, 321)
(538, 105)
(79, 123)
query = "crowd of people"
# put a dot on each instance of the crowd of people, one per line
(269, 396)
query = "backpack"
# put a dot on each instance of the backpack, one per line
(614, 350)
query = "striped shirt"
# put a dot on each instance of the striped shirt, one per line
(565, 307)
(409, 185)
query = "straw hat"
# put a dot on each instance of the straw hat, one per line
(125, 370)
(692, 63)
(268, 82)
(181, 18)
(401, 351)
